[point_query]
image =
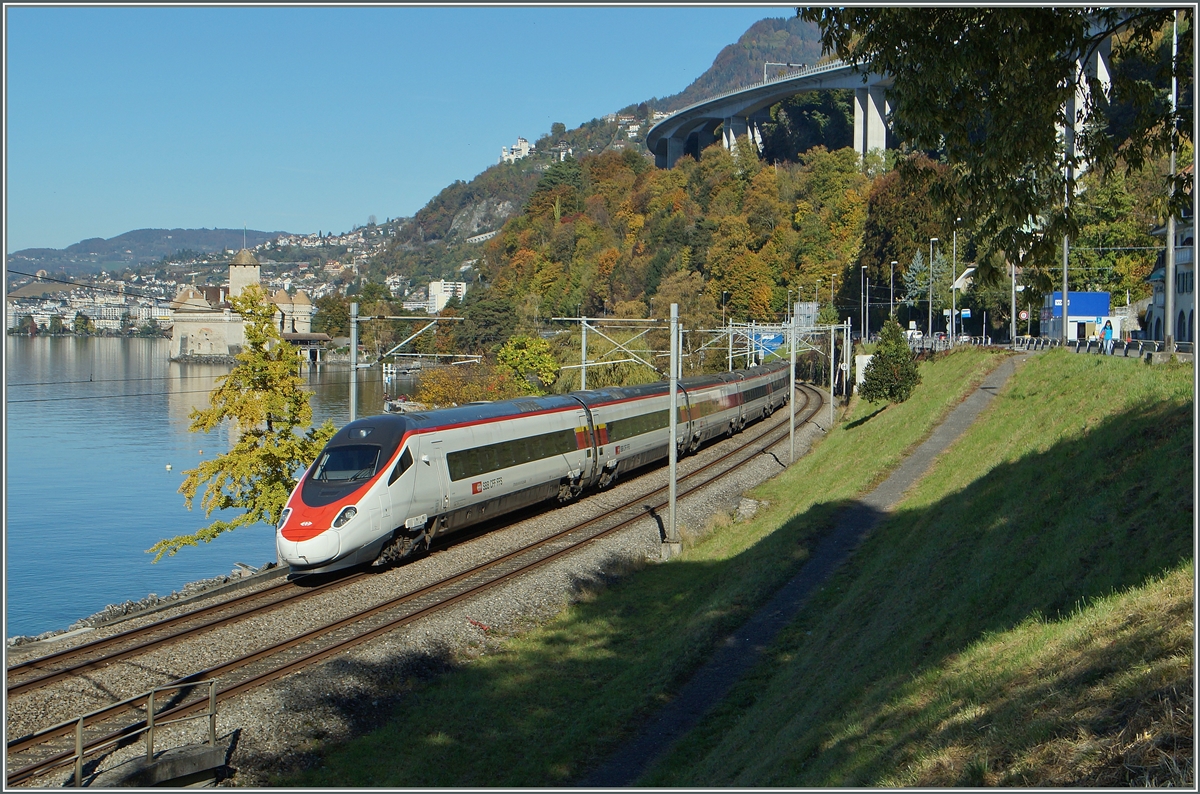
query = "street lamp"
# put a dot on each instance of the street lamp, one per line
(787, 312)
(864, 304)
(953, 280)
(892, 283)
(929, 328)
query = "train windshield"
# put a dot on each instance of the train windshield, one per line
(355, 462)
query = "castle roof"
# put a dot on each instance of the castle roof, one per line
(189, 298)
(281, 296)
(301, 298)
(243, 257)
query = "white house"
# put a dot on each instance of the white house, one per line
(440, 293)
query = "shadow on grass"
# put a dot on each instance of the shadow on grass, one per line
(862, 420)
(1031, 537)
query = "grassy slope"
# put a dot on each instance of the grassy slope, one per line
(550, 703)
(1024, 619)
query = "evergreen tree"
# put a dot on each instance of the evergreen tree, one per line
(263, 395)
(892, 373)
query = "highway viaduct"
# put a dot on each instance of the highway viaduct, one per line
(740, 113)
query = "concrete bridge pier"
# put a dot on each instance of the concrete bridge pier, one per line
(870, 119)
(734, 128)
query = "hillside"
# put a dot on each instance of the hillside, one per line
(1023, 619)
(782, 40)
(431, 246)
(131, 249)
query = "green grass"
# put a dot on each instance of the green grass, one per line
(544, 706)
(1023, 619)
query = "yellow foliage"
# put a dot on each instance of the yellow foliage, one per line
(442, 387)
(265, 398)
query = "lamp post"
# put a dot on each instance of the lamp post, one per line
(892, 283)
(929, 329)
(787, 312)
(1012, 320)
(864, 303)
(953, 279)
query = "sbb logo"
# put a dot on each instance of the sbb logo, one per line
(486, 485)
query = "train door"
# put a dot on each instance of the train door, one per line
(583, 420)
(437, 456)
(397, 498)
(683, 430)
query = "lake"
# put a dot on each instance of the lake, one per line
(90, 428)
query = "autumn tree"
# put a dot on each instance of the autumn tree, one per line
(529, 357)
(264, 396)
(891, 374)
(442, 387)
(83, 325)
(990, 87)
(333, 315)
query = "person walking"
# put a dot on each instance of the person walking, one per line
(1108, 337)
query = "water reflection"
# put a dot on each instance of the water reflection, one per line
(90, 428)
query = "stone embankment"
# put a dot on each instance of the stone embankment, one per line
(152, 602)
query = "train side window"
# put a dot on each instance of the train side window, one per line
(402, 465)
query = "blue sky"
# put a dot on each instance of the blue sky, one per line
(306, 119)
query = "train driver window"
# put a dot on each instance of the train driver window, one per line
(347, 463)
(402, 465)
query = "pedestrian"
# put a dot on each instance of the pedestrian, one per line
(1108, 337)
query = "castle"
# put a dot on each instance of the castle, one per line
(206, 327)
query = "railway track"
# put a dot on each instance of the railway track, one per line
(36, 753)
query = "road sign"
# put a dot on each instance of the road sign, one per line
(966, 313)
(946, 312)
(1024, 315)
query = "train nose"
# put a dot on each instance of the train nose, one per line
(316, 550)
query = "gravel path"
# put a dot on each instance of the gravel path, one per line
(274, 728)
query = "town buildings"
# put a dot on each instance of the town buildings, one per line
(520, 151)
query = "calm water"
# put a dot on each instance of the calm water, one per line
(90, 427)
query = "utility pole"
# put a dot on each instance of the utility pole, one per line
(583, 353)
(729, 329)
(953, 281)
(1068, 176)
(671, 546)
(792, 394)
(863, 314)
(929, 329)
(832, 331)
(1012, 322)
(1169, 276)
(353, 359)
(892, 283)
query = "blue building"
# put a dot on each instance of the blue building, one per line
(1086, 314)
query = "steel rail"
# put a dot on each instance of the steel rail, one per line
(248, 600)
(41, 737)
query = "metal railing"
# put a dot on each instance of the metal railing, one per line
(1121, 347)
(149, 727)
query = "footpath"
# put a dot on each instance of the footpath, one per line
(745, 647)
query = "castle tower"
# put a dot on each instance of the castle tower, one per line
(243, 271)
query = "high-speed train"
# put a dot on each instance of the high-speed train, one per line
(386, 486)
